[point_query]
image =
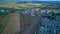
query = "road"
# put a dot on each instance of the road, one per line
(13, 25)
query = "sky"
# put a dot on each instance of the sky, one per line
(28, 0)
(39, 0)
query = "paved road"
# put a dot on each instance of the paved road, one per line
(13, 25)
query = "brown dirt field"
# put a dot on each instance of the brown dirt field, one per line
(13, 24)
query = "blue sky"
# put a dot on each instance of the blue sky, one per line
(39, 0)
(46, 0)
(27, 0)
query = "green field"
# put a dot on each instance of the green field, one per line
(13, 5)
(6, 5)
(4, 21)
(25, 6)
(3, 14)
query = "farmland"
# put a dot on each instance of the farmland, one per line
(14, 5)
(27, 15)
(2, 16)
(27, 6)
(7, 5)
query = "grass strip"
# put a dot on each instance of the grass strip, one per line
(4, 23)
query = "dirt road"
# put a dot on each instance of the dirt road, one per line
(13, 25)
